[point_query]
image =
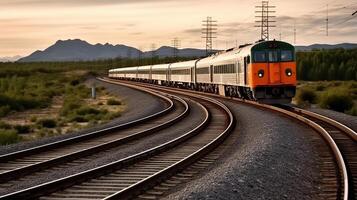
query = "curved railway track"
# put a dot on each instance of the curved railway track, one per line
(338, 168)
(19, 164)
(345, 139)
(131, 176)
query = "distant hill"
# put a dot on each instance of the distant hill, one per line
(326, 46)
(79, 50)
(9, 59)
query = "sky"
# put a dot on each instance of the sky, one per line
(30, 25)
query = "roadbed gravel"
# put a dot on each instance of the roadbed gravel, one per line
(195, 117)
(138, 104)
(269, 157)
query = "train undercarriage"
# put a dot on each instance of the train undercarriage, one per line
(266, 94)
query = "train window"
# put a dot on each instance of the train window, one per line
(259, 56)
(286, 55)
(248, 59)
(273, 56)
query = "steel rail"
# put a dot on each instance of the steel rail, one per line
(66, 182)
(19, 172)
(325, 135)
(56, 144)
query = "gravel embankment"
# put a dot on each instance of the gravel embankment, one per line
(269, 157)
(348, 120)
(195, 117)
(138, 104)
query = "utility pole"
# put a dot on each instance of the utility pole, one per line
(265, 19)
(176, 45)
(327, 21)
(209, 31)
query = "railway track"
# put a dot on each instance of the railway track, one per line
(20, 164)
(338, 167)
(131, 176)
(340, 183)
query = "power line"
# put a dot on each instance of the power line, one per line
(265, 19)
(209, 31)
(354, 13)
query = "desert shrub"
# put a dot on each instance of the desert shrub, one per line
(22, 129)
(320, 88)
(69, 106)
(337, 100)
(4, 110)
(78, 118)
(352, 111)
(306, 96)
(74, 82)
(4, 125)
(47, 123)
(85, 110)
(8, 136)
(113, 102)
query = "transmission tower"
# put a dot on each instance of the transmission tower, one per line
(176, 45)
(209, 31)
(265, 19)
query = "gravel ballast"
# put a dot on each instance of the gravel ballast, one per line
(138, 104)
(269, 157)
(195, 117)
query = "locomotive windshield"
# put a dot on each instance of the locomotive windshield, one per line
(286, 55)
(273, 51)
(273, 56)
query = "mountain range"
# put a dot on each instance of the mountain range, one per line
(79, 50)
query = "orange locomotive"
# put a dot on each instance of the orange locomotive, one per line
(264, 72)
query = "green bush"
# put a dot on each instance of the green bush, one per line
(306, 96)
(4, 125)
(320, 88)
(47, 123)
(78, 118)
(21, 129)
(4, 110)
(8, 137)
(85, 110)
(337, 100)
(352, 111)
(113, 102)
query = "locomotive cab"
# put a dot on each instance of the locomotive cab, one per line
(273, 72)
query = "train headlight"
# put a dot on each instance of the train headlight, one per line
(288, 72)
(261, 73)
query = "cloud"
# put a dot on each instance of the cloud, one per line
(27, 3)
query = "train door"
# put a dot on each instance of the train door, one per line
(192, 75)
(245, 71)
(211, 73)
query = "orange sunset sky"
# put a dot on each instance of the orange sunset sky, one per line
(28, 25)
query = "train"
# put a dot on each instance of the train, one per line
(264, 71)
